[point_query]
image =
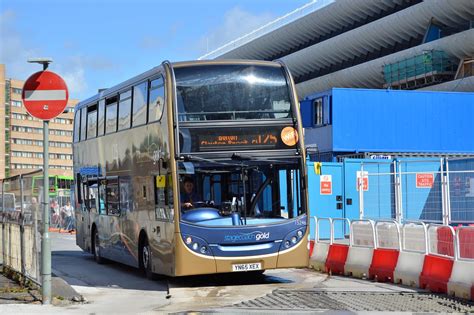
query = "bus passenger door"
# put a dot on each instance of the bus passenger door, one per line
(81, 209)
(79, 214)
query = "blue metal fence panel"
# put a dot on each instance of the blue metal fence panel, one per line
(461, 190)
(421, 201)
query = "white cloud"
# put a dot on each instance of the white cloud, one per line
(237, 22)
(13, 51)
(76, 69)
(72, 71)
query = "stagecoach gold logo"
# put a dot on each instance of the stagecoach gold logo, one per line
(253, 236)
(289, 136)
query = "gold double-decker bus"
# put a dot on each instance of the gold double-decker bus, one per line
(194, 168)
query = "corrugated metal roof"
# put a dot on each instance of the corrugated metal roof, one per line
(379, 34)
(312, 20)
(369, 74)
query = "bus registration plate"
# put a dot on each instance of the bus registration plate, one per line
(246, 267)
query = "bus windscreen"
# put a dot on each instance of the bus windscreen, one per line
(232, 92)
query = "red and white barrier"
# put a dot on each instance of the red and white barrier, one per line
(412, 255)
(433, 257)
(461, 282)
(438, 264)
(385, 257)
(339, 248)
(321, 247)
(362, 244)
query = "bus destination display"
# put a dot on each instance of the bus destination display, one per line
(205, 140)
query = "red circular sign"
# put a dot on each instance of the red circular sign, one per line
(45, 95)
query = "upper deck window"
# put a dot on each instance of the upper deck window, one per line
(140, 92)
(77, 125)
(125, 107)
(101, 118)
(156, 102)
(92, 121)
(232, 92)
(83, 123)
(111, 115)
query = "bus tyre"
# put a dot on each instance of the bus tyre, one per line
(146, 259)
(96, 247)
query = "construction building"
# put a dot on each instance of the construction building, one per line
(21, 135)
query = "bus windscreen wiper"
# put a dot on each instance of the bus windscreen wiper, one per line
(244, 157)
(190, 158)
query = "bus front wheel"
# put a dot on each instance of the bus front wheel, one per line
(146, 259)
(96, 247)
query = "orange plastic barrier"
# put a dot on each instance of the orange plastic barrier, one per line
(436, 273)
(336, 259)
(445, 241)
(383, 264)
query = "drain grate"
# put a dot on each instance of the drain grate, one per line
(357, 301)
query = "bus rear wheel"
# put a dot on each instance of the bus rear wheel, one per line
(96, 247)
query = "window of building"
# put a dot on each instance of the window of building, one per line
(140, 93)
(125, 107)
(111, 115)
(92, 121)
(318, 112)
(77, 124)
(156, 101)
(101, 118)
(17, 90)
(322, 111)
(16, 103)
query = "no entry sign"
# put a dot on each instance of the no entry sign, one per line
(45, 95)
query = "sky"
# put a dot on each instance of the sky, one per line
(99, 43)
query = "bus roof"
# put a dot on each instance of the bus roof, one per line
(158, 69)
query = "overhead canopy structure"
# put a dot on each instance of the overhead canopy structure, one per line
(345, 43)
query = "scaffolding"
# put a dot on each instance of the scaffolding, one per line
(431, 67)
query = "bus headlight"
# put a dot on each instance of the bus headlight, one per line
(197, 245)
(189, 240)
(293, 238)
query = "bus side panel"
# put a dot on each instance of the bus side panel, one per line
(161, 235)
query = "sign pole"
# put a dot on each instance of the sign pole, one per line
(46, 240)
(45, 96)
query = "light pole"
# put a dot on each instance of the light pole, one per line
(45, 239)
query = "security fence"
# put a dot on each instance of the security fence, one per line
(428, 190)
(21, 220)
